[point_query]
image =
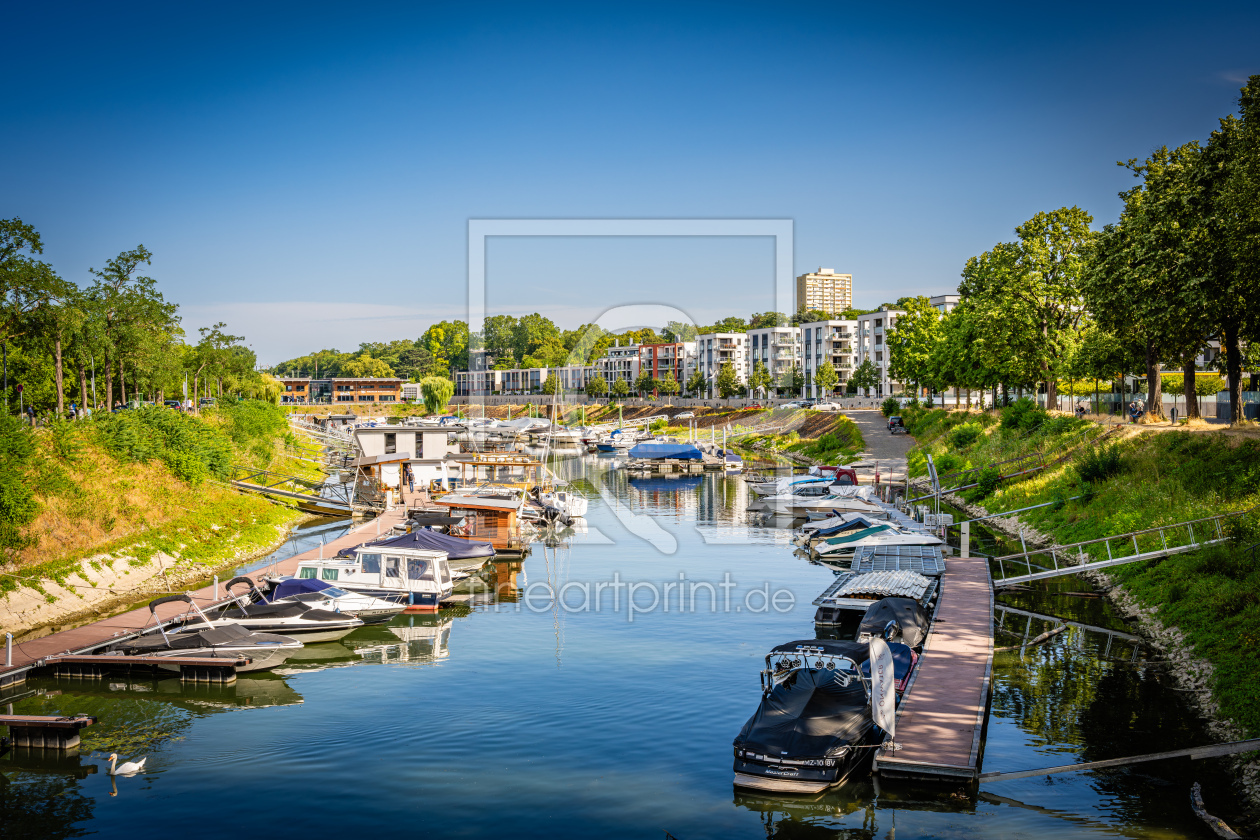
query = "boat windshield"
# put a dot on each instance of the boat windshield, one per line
(418, 569)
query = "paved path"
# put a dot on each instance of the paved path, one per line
(885, 450)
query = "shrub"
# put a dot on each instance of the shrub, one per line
(948, 463)
(929, 402)
(1100, 464)
(890, 406)
(988, 480)
(1023, 415)
(964, 435)
(154, 432)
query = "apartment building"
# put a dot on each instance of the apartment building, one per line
(660, 359)
(619, 362)
(872, 329)
(825, 290)
(363, 389)
(715, 349)
(944, 304)
(779, 349)
(828, 341)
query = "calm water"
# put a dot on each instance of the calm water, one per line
(523, 720)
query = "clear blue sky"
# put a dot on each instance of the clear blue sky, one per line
(305, 171)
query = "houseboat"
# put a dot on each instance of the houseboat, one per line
(416, 577)
(491, 514)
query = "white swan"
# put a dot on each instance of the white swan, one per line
(129, 769)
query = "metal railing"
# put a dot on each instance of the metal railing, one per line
(1069, 559)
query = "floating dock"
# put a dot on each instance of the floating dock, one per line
(55, 648)
(940, 721)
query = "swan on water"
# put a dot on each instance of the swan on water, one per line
(128, 769)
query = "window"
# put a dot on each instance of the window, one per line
(393, 567)
(879, 339)
(418, 569)
(391, 443)
(371, 563)
(366, 398)
(879, 322)
(306, 573)
(328, 574)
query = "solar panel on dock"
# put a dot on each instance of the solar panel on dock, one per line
(927, 560)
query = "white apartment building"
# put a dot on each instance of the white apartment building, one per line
(944, 304)
(829, 341)
(825, 290)
(871, 329)
(619, 362)
(778, 348)
(715, 349)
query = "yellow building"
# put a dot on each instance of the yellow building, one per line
(824, 290)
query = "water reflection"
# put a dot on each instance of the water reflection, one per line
(408, 639)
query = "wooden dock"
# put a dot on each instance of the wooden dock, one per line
(941, 717)
(31, 654)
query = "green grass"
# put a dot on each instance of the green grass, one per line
(1212, 595)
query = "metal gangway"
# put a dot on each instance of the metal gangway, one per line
(323, 498)
(627, 424)
(1146, 544)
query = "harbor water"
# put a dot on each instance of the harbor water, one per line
(598, 695)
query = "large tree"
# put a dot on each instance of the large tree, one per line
(911, 341)
(727, 381)
(825, 378)
(760, 380)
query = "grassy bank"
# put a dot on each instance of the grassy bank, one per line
(136, 485)
(1143, 479)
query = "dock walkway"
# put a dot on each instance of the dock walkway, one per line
(942, 714)
(91, 637)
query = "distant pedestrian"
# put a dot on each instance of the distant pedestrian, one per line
(30, 413)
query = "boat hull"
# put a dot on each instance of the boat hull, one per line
(795, 778)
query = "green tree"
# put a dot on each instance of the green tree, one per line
(436, 391)
(912, 339)
(761, 320)
(760, 380)
(727, 382)
(596, 386)
(696, 382)
(26, 284)
(679, 331)
(645, 383)
(668, 385)
(551, 385)
(864, 376)
(726, 325)
(825, 378)
(367, 366)
(620, 388)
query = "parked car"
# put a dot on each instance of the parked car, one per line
(171, 403)
(756, 405)
(827, 406)
(686, 415)
(792, 405)
(207, 401)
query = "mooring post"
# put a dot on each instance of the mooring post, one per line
(216, 587)
(321, 547)
(8, 649)
(965, 549)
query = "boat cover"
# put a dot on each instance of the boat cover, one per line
(654, 483)
(857, 521)
(807, 715)
(297, 586)
(658, 451)
(903, 663)
(907, 616)
(859, 652)
(229, 635)
(857, 535)
(422, 538)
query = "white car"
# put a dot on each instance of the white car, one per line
(790, 405)
(827, 406)
(686, 415)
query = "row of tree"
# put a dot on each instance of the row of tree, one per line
(113, 340)
(1064, 304)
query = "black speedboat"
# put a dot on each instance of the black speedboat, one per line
(895, 620)
(289, 618)
(814, 726)
(207, 639)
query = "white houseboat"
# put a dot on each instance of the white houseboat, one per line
(419, 578)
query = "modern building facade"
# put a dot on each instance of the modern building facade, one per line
(715, 349)
(828, 341)
(824, 290)
(363, 389)
(944, 304)
(661, 359)
(619, 362)
(779, 349)
(872, 330)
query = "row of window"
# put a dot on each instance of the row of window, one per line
(366, 398)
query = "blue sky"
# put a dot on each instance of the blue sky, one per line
(305, 172)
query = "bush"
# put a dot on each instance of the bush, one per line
(1100, 464)
(948, 463)
(890, 406)
(929, 402)
(988, 480)
(964, 435)
(154, 432)
(1023, 415)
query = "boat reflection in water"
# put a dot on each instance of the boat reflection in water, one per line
(411, 639)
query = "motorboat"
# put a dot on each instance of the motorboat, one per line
(418, 578)
(836, 522)
(852, 593)
(614, 442)
(461, 554)
(895, 620)
(205, 638)
(843, 545)
(565, 501)
(780, 486)
(325, 596)
(304, 622)
(842, 499)
(813, 727)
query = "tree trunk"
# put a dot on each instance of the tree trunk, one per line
(1006, 395)
(1052, 394)
(1233, 370)
(83, 388)
(122, 383)
(1154, 384)
(109, 381)
(61, 388)
(1187, 387)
